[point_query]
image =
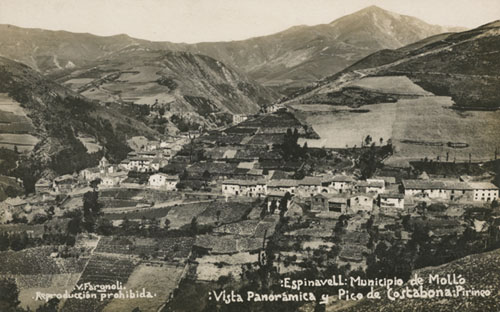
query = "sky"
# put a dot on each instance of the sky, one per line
(223, 20)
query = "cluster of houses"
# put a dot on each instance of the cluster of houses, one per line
(342, 194)
(154, 154)
(451, 190)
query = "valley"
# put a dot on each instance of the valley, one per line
(364, 148)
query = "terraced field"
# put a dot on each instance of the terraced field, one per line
(166, 248)
(101, 270)
(16, 128)
(36, 271)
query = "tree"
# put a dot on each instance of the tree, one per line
(206, 175)
(273, 206)
(50, 306)
(368, 140)
(194, 226)
(91, 210)
(494, 204)
(75, 224)
(125, 225)
(4, 242)
(9, 294)
(95, 183)
(284, 203)
(104, 226)
(217, 214)
(19, 241)
(161, 111)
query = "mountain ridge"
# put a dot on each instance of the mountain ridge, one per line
(287, 59)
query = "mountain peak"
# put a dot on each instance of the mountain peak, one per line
(372, 10)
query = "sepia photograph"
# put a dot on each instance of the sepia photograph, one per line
(249, 156)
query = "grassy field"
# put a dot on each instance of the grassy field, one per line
(157, 213)
(161, 281)
(431, 120)
(183, 214)
(421, 127)
(348, 127)
(400, 85)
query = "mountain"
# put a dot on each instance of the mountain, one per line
(181, 81)
(56, 130)
(461, 65)
(287, 60)
(304, 54)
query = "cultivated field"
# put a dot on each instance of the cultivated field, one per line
(183, 214)
(15, 127)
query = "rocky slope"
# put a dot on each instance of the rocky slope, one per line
(180, 81)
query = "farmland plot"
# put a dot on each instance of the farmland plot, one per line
(15, 126)
(101, 270)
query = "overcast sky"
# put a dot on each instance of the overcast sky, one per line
(222, 20)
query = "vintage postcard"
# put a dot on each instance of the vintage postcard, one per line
(279, 155)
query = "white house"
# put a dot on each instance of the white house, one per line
(90, 174)
(141, 164)
(360, 202)
(283, 185)
(484, 191)
(337, 184)
(308, 186)
(392, 201)
(438, 189)
(162, 180)
(251, 188)
(371, 186)
(113, 179)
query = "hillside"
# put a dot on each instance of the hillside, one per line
(48, 51)
(182, 81)
(286, 60)
(58, 121)
(425, 97)
(481, 272)
(304, 54)
(462, 65)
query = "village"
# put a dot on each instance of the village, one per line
(203, 207)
